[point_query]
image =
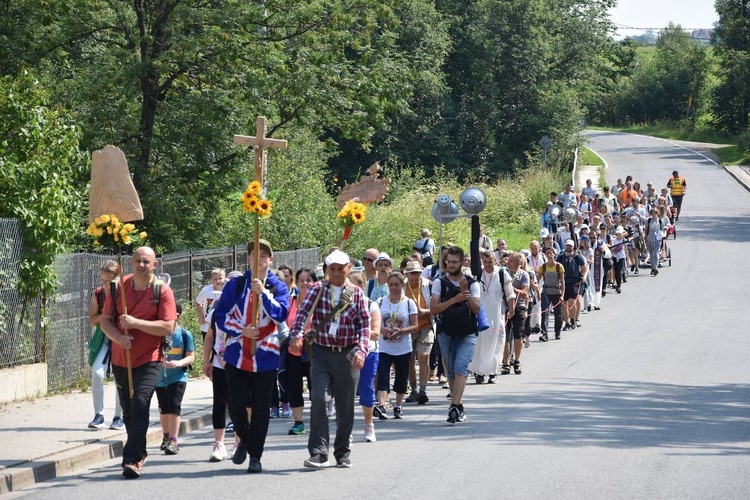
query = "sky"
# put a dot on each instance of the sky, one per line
(657, 14)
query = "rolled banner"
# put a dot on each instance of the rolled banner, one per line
(347, 232)
(482, 322)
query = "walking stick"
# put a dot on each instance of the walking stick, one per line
(128, 361)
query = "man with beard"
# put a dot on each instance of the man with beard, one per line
(456, 298)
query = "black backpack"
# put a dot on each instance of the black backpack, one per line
(458, 320)
(427, 259)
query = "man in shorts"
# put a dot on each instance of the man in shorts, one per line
(457, 334)
(575, 274)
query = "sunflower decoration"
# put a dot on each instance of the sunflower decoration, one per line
(255, 204)
(352, 214)
(109, 232)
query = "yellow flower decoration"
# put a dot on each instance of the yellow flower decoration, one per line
(358, 217)
(254, 188)
(109, 232)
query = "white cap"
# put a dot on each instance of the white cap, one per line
(619, 230)
(570, 242)
(337, 257)
(383, 256)
(543, 233)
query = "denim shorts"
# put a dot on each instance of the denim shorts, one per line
(457, 353)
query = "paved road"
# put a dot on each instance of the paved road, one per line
(650, 398)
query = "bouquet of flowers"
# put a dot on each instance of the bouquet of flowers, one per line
(253, 203)
(352, 213)
(109, 232)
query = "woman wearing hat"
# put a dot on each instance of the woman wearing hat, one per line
(418, 289)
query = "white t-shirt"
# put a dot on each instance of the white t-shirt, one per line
(396, 315)
(475, 288)
(590, 192)
(420, 244)
(205, 298)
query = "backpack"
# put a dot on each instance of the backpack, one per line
(458, 320)
(426, 254)
(158, 282)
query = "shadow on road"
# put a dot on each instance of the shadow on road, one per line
(734, 228)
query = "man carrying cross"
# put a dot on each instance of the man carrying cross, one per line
(151, 316)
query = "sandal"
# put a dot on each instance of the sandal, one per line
(517, 367)
(505, 370)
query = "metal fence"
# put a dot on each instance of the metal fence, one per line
(64, 343)
(20, 327)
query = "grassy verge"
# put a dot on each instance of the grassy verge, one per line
(732, 155)
(588, 157)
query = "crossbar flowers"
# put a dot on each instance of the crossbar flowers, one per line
(109, 232)
(353, 213)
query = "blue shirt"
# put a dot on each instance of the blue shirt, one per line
(182, 345)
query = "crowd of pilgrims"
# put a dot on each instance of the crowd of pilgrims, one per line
(580, 256)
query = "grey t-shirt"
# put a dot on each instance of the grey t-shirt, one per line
(520, 280)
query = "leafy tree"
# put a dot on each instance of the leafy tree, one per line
(40, 171)
(731, 40)
(171, 81)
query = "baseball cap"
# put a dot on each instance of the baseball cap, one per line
(337, 257)
(263, 244)
(570, 242)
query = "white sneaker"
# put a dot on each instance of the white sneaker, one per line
(527, 341)
(219, 452)
(370, 433)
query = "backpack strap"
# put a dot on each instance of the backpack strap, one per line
(158, 282)
(370, 286)
(184, 348)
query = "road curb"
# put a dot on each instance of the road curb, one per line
(730, 170)
(42, 469)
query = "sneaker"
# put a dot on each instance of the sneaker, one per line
(254, 467)
(370, 433)
(118, 424)
(578, 324)
(527, 341)
(632, 268)
(413, 396)
(543, 338)
(219, 452)
(461, 414)
(286, 411)
(491, 379)
(317, 461)
(380, 412)
(656, 272)
(240, 454)
(274, 412)
(297, 429)
(172, 448)
(446, 385)
(443, 379)
(164, 443)
(572, 324)
(230, 428)
(479, 379)
(331, 408)
(422, 398)
(557, 336)
(453, 414)
(433, 374)
(397, 414)
(343, 463)
(98, 422)
(566, 327)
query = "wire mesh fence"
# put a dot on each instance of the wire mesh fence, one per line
(20, 325)
(63, 343)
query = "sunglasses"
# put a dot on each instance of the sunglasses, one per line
(368, 259)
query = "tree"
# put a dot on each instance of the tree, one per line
(40, 171)
(170, 82)
(731, 40)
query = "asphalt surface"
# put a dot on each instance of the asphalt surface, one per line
(650, 398)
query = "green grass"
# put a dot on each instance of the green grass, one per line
(588, 157)
(732, 155)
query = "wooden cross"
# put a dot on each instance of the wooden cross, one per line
(259, 144)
